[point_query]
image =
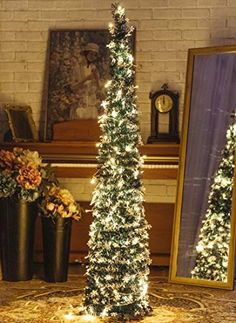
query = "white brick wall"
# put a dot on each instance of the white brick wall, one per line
(165, 30)
(156, 191)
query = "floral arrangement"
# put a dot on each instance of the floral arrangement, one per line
(22, 174)
(59, 202)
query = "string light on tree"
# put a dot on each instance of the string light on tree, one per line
(214, 239)
(117, 273)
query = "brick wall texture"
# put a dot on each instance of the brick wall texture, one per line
(165, 29)
(156, 191)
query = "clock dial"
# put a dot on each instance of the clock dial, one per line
(163, 103)
(164, 116)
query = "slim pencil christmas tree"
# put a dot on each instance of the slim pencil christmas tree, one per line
(117, 273)
(213, 245)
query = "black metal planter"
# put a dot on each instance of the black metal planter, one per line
(17, 223)
(56, 248)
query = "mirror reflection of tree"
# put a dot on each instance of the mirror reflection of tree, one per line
(212, 99)
(213, 246)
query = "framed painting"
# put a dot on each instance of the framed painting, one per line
(21, 123)
(78, 69)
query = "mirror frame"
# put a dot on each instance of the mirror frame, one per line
(173, 278)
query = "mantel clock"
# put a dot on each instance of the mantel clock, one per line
(164, 102)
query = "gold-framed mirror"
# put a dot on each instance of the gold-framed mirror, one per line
(203, 240)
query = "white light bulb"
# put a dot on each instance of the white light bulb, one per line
(131, 58)
(128, 148)
(199, 248)
(144, 288)
(121, 10)
(112, 160)
(119, 93)
(69, 316)
(88, 318)
(114, 114)
(104, 104)
(120, 184)
(93, 181)
(108, 83)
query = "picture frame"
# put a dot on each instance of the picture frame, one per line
(21, 123)
(78, 68)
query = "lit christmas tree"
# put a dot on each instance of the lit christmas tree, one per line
(117, 273)
(213, 245)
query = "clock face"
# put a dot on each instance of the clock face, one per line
(163, 103)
